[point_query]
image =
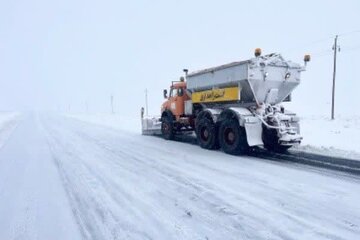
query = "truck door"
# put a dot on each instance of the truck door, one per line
(177, 101)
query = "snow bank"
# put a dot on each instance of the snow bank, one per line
(116, 121)
(8, 121)
(340, 137)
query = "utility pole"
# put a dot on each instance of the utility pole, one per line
(112, 103)
(336, 48)
(146, 101)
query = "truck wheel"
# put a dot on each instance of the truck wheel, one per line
(271, 141)
(206, 133)
(167, 128)
(232, 137)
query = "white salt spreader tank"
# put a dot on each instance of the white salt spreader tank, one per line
(234, 106)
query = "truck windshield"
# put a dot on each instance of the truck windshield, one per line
(176, 92)
(173, 92)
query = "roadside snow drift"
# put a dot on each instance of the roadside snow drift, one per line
(340, 137)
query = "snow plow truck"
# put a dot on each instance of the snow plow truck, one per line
(233, 106)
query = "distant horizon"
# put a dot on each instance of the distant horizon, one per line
(53, 55)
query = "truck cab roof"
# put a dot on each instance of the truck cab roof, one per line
(178, 85)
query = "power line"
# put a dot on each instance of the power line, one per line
(323, 55)
(112, 103)
(351, 48)
(309, 43)
(321, 52)
(321, 40)
(328, 52)
(349, 33)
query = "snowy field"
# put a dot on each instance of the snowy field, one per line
(339, 137)
(65, 178)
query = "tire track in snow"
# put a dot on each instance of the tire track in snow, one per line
(186, 186)
(189, 183)
(121, 157)
(108, 188)
(89, 208)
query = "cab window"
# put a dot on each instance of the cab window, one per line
(174, 92)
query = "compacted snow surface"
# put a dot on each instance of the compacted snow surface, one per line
(62, 178)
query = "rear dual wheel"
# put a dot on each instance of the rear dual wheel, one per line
(271, 141)
(206, 133)
(232, 137)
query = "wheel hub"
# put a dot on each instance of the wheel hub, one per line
(229, 136)
(204, 133)
(166, 127)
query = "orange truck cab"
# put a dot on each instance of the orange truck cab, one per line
(173, 116)
(175, 103)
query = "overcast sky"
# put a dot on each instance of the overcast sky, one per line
(60, 54)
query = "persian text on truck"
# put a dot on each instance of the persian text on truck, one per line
(234, 106)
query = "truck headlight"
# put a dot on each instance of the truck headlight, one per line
(287, 75)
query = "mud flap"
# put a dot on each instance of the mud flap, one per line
(254, 133)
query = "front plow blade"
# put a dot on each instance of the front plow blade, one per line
(151, 126)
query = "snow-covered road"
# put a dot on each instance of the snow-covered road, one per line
(62, 178)
(8, 122)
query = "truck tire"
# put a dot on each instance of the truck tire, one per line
(167, 128)
(232, 137)
(206, 133)
(271, 141)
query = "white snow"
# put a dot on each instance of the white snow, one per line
(339, 137)
(8, 122)
(65, 178)
(33, 202)
(116, 121)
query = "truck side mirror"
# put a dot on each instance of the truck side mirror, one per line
(142, 112)
(165, 93)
